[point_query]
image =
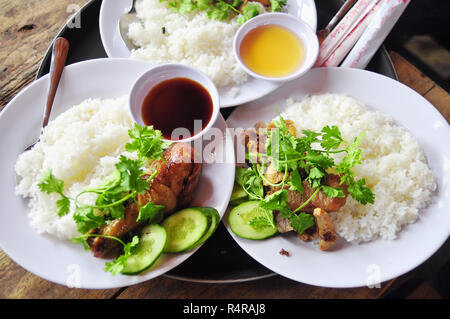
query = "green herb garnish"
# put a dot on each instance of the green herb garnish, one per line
(115, 191)
(289, 154)
(50, 184)
(151, 213)
(250, 181)
(115, 266)
(146, 142)
(222, 9)
(277, 5)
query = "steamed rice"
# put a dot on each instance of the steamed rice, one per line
(191, 39)
(81, 146)
(393, 165)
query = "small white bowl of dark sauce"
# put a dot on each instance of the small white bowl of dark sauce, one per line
(180, 101)
(276, 47)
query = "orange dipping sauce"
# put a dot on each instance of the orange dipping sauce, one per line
(272, 51)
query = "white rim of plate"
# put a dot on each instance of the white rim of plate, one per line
(443, 184)
(9, 108)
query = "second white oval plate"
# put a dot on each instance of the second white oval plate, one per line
(61, 261)
(359, 265)
(112, 10)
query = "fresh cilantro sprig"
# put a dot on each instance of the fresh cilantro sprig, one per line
(114, 266)
(151, 213)
(277, 5)
(86, 219)
(112, 194)
(146, 142)
(356, 188)
(50, 184)
(301, 222)
(250, 10)
(264, 220)
(302, 153)
(124, 184)
(127, 181)
(290, 154)
(250, 181)
(222, 9)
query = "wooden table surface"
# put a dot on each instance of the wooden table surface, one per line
(27, 29)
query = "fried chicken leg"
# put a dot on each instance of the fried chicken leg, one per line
(173, 187)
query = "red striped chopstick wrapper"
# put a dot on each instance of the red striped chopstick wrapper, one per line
(347, 44)
(378, 29)
(353, 17)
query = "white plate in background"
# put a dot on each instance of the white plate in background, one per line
(57, 260)
(351, 265)
(112, 10)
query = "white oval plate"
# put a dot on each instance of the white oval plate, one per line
(60, 261)
(112, 10)
(358, 265)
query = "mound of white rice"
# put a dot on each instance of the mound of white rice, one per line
(81, 146)
(191, 39)
(393, 165)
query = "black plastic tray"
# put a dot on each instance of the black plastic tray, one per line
(220, 259)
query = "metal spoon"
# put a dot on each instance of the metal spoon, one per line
(323, 33)
(124, 22)
(58, 60)
(59, 56)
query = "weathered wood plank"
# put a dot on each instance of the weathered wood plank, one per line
(27, 29)
(16, 282)
(419, 82)
(409, 75)
(424, 291)
(276, 287)
(440, 99)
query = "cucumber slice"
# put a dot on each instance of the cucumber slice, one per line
(240, 217)
(184, 229)
(151, 244)
(215, 220)
(238, 196)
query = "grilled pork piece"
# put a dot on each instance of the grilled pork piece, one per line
(173, 187)
(309, 234)
(257, 135)
(326, 229)
(283, 224)
(272, 175)
(320, 201)
(330, 204)
(255, 141)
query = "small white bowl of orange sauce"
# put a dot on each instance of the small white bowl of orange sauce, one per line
(276, 47)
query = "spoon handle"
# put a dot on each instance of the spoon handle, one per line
(59, 56)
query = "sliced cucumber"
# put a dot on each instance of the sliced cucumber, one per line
(151, 244)
(240, 217)
(215, 220)
(184, 229)
(238, 195)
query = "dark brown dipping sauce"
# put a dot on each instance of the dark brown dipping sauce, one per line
(177, 103)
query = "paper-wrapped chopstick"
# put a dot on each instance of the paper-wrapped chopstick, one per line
(360, 33)
(378, 29)
(347, 44)
(353, 17)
